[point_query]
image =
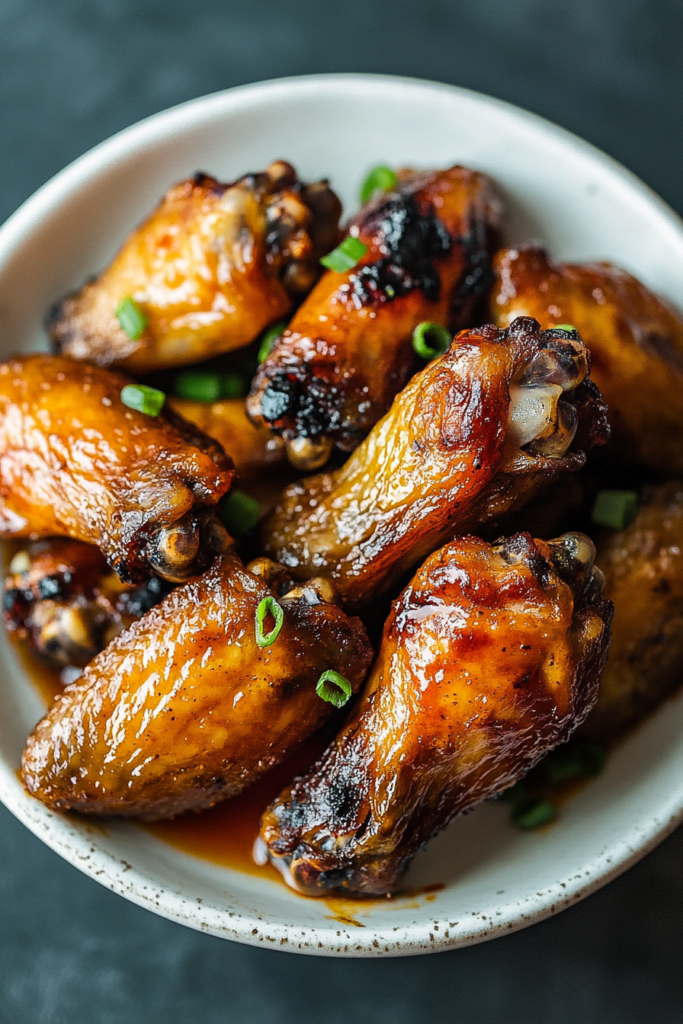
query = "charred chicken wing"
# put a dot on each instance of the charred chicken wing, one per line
(186, 708)
(347, 352)
(209, 270)
(76, 462)
(643, 567)
(490, 657)
(635, 341)
(473, 436)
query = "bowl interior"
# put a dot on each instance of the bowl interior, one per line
(558, 190)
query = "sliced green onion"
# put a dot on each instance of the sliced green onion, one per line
(345, 256)
(133, 321)
(616, 509)
(533, 813)
(575, 760)
(379, 179)
(334, 688)
(238, 512)
(233, 385)
(431, 340)
(268, 606)
(268, 339)
(198, 385)
(564, 327)
(143, 399)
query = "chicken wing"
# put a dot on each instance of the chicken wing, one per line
(643, 567)
(209, 270)
(64, 600)
(347, 352)
(490, 657)
(76, 462)
(635, 341)
(476, 434)
(186, 708)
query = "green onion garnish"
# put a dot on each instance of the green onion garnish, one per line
(233, 385)
(575, 760)
(143, 399)
(334, 688)
(268, 606)
(431, 340)
(379, 179)
(564, 327)
(616, 509)
(198, 385)
(133, 321)
(345, 256)
(238, 512)
(268, 339)
(533, 813)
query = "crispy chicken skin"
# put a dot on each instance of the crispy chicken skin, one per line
(76, 462)
(210, 268)
(635, 341)
(490, 657)
(347, 351)
(473, 436)
(184, 709)
(643, 567)
(62, 597)
(252, 449)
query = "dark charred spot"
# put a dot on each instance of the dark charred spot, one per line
(140, 600)
(477, 245)
(50, 587)
(14, 603)
(305, 406)
(411, 239)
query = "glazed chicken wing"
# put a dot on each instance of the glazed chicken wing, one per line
(347, 352)
(209, 269)
(643, 567)
(470, 438)
(635, 341)
(76, 462)
(185, 708)
(490, 658)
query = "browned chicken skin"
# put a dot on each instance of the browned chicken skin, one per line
(76, 462)
(347, 351)
(62, 597)
(490, 657)
(210, 269)
(635, 341)
(473, 436)
(185, 709)
(643, 567)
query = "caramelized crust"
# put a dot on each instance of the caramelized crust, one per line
(445, 459)
(348, 350)
(210, 269)
(635, 341)
(488, 660)
(184, 709)
(76, 462)
(643, 567)
(252, 449)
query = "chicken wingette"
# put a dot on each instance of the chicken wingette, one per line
(76, 462)
(208, 271)
(197, 699)
(473, 436)
(490, 658)
(634, 338)
(347, 351)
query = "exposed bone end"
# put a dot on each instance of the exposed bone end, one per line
(315, 591)
(573, 558)
(266, 569)
(64, 633)
(308, 453)
(187, 547)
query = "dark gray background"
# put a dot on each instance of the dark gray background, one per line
(71, 73)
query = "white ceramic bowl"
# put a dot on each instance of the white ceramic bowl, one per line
(560, 190)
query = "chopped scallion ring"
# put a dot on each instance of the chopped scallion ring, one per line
(198, 385)
(238, 512)
(334, 688)
(574, 760)
(379, 179)
(345, 256)
(616, 509)
(233, 385)
(564, 327)
(131, 318)
(533, 813)
(268, 606)
(268, 339)
(143, 399)
(431, 340)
